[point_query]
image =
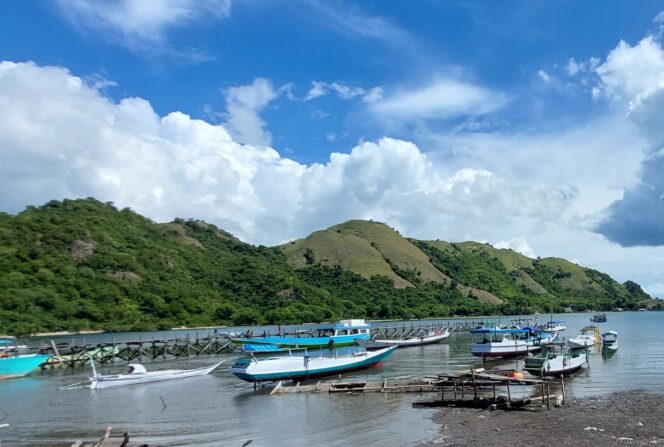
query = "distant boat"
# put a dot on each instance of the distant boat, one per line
(493, 342)
(609, 342)
(8, 344)
(554, 326)
(599, 318)
(137, 374)
(306, 367)
(588, 336)
(12, 366)
(344, 333)
(425, 338)
(554, 360)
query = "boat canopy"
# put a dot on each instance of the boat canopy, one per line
(136, 368)
(352, 324)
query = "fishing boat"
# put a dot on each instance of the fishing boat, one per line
(138, 374)
(423, 338)
(306, 367)
(554, 326)
(599, 318)
(493, 342)
(12, 366)
(343, 333)
(9, 344)
(609, 342)
(555, 360)
(588, 336)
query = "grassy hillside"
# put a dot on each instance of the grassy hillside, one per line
(83, 264)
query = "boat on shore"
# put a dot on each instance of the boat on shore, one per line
(588, 336)
(424, 338)
(343, 333)
(307, 367)
(599, 317)
(494, 342)
(13, 366)
(555, 360)
(609, 342)
(137, 374)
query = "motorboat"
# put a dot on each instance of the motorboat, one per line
(12, 366)
(343, 333)
(493, 342)
(297, 367)
(609, 342)
(599, 317)
(555, 360)
(423, 338)
(554, 326)
(588, 336)
(137, 374)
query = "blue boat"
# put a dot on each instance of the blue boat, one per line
(344, 333)
(306, 367)
(20, 365)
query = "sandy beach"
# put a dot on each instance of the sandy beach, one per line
(631, 418)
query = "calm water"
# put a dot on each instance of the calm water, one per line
(221, 410)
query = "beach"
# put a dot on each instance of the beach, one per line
(629, 418)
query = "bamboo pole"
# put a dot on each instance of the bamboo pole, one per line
(57, 354)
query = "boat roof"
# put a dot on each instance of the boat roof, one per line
(499, 331)
(352, 324)
(610, 333)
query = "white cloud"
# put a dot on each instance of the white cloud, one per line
(655, 289)
(140, 24)
(575, 67)
(518, 244)
(443, 98)
(321, 88)
(544, 76)
(243, 104)
(60, 137)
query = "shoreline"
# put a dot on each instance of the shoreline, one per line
(625, 418)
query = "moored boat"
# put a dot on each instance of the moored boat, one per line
(424, 338)
(555, 360)
(609, 342)
(512, 342)
(599, 317)
(306, 367)
(344, 333)
(9, 344)
(588, 336)
(554, 326)
(137, 374)
(13, 366)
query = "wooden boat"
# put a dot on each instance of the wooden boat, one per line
(494, 342)
(8, 344)
(588, 336)
(12, 366)
(609, 342)
(599, 318)
(137, 374)
(306, 367)
(554, 326)
(555, 360)
(422, 339)
(344, 333)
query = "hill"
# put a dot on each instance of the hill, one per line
(83, 264)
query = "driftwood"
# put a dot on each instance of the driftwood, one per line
(107, 441)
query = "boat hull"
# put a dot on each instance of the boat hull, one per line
(418, 341)
(509, 348)
(19, 366)
(556, 366)
(110, 381)
(581, 343)
(305, 342)
(297, 368)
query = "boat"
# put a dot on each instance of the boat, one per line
(554, 326)
(137, 374)
(588, 336)
(8, 344)
(599, 318)
(494, 342)
(424, 338)
(555, 360)
(609, 342)
(307, 367)
(265, 348)
(343, 333)
(12, 366)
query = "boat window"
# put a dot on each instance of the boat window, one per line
(354, 331)
(342, 332)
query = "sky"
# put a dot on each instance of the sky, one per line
(535, 126)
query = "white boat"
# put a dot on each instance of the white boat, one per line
(306, 367)
(138, 374)
(495, 342)
(609, 342)
(588, 336)
(554, 326)
(554, 360)
(422, 339)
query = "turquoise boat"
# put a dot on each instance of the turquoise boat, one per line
(344, 333)
(20, 365)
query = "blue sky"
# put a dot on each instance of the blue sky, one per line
(529, 125)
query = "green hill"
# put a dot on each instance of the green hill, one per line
(83, 264)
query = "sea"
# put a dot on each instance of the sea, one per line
(221, 410)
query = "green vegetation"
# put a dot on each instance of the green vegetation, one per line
(83, 264)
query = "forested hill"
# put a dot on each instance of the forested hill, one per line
(83, 264)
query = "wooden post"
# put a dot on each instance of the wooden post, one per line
(57, 354)
(562, 385)
(509, 395)
(548, 397)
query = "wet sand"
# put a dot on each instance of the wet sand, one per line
(631, 418)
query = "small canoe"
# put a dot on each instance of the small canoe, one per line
(306, 367)
(137, 374)
(425, 339)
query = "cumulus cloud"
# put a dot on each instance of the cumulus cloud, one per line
(444, 98)
(61, 137)
(321, 88)
(635, 75)
(140, 24)
(243, 105)
(518, 244)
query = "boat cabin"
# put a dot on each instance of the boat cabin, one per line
(492, 335)
(346, 327)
